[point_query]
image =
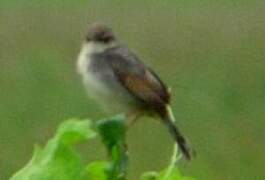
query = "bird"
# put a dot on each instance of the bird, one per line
(114, 76)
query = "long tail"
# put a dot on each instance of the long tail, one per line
(174, 131)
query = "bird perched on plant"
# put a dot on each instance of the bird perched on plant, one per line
(115, 76)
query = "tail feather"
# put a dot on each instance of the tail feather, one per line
(178, 137)
(180, 140)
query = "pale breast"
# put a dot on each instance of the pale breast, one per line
(93, 85)
(100, 82)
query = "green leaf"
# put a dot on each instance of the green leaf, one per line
(150, 176)
(167, 174)
(113, 133)
(73, 131)
(57, 160)
(97, 170)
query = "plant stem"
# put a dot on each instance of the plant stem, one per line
(175, 157)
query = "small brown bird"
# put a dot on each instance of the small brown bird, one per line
(115, 76)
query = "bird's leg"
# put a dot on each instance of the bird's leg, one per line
(132, 116)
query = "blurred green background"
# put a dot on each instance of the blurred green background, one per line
(212, 54)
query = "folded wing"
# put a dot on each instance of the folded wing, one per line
(139, 80)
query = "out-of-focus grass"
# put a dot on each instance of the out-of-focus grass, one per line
(211, 53)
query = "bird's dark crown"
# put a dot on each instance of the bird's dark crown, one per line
(100, 33)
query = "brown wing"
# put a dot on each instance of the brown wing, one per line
(163, 90)
(147, 89)
(140, 81)
(144, 85)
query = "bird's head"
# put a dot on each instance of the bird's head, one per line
(99, 33)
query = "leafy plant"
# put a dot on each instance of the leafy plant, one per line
(59, 161)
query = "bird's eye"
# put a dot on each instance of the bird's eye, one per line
(88, 38)
(106, 37)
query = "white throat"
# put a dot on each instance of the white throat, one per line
(86, 51)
